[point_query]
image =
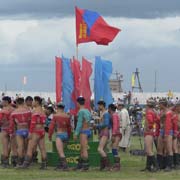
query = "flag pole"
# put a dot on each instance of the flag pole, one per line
(77, 51)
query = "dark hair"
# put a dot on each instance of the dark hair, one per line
(29, 98)
(20, 100)
(51, 109)
(101, 102)
(60, 106)
(38, 99)
(112, 107)
(7, 98)
(81, 100)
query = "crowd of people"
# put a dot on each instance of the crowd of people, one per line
(24, 123)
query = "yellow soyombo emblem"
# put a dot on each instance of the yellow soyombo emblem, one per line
(73, 160)
(74, 147)
(82, 30)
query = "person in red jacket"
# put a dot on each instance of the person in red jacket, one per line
(116, 136)
(7, 143)
(149, 132)
(166, 136)
(20, 121)
(62, 122)
(36, 134)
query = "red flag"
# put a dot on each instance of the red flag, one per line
(76, 70)
(90, 26)
(85, 84)
(58, 79)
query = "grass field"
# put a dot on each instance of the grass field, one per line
(131, 166)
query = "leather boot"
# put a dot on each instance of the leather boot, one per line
(5, 162)
(14, 160)
(116, 166)
(160, 161)
(34, 157)
(176, 161)
(147, 164)
(26, 163)
(85, 164)
(64, 164)
(79, 164)
(169, 164)
(43, 164)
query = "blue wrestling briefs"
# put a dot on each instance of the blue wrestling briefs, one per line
(22, 132)
(62, 136)
(87, 132)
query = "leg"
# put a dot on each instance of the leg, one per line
(42, 148)
(160, 149)
(84, 150)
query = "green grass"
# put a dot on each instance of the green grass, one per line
(131, 166)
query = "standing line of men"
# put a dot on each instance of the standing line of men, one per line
(23, 129)
(165, 126)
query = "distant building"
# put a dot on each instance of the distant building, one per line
(115, 85)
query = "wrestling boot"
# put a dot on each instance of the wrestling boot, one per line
(14, 160)
(148, 165)
(102, 165)
(26, 163)
(165, 161)
(85, 165)
(106, 164)
(64, 164)
(34, 157)
(176, 161)
(5, 162)
(153, 164)
(79, 164)
(159, 161)
(20, 162)
(43, 164)
(116, 166)
(169, 164)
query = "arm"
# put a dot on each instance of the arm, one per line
(69, 127)
(33, 123)
(175, 125)
(51, 128)
(79, 123)
(12, 124)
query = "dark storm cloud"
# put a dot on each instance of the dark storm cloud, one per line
(117, 8)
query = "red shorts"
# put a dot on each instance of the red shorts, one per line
(104, 132)
(40, 133)
(117, 135)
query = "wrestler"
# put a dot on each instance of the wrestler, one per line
(165, 140)
(20, 121)
(83, 130)
(149, 133)
(103, 127)
(116, 136)
(176, 117)
(36, 134)
(61, 121)
(8, 144)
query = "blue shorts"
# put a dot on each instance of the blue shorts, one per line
(87, 132)
(23, 133)
(62, 136)
(162, 133)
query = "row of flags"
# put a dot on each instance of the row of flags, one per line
(73, 80)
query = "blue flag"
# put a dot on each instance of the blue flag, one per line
(67, 84)
(103, 71)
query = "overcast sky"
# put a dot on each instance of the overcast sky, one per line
(33, 32)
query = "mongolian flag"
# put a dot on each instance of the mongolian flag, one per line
(90, 26)
(58, 78)
(85, 83)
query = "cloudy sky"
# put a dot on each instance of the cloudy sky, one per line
(33, 32)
